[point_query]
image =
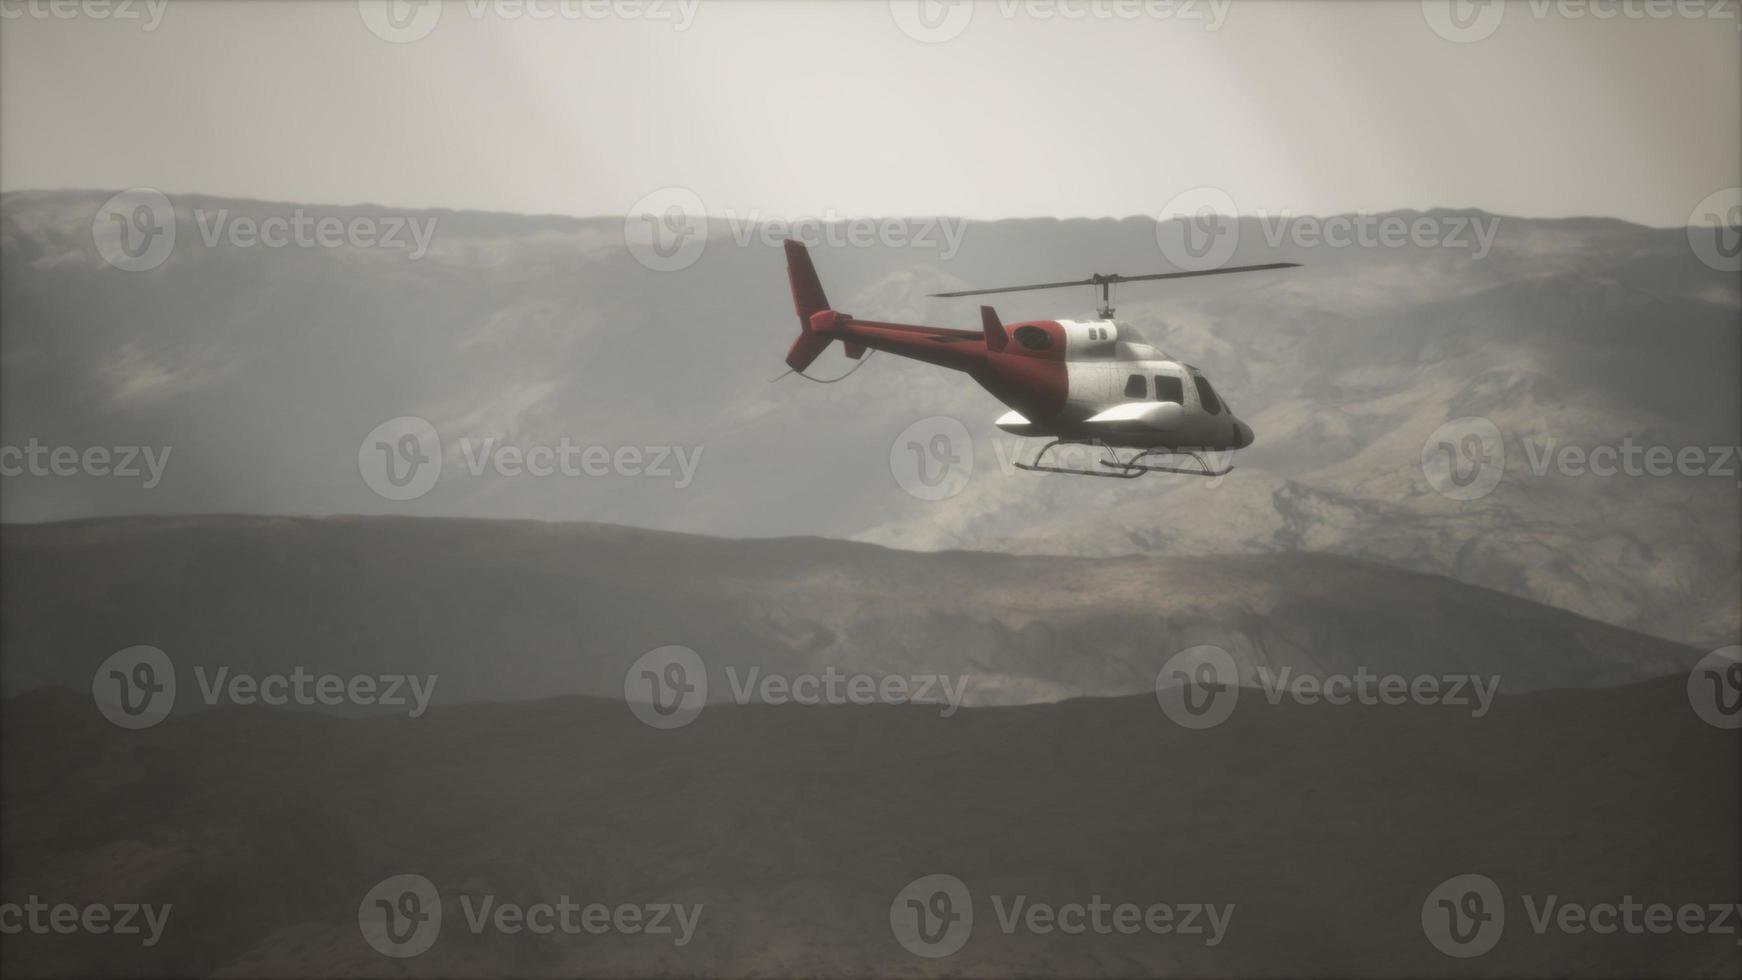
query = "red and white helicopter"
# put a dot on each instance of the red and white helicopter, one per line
(1078, 382)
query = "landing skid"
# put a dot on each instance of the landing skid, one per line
(1124, 469)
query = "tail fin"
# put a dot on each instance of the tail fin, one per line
(809, 300)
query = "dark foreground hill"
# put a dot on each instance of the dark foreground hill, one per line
(502, 610)
(1325, 828)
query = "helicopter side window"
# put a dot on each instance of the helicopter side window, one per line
(1136, 387)
(1033, 338)
(1207, 395)
(1170, 389)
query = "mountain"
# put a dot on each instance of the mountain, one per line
(1319, 834)
(521, 609)
(262, 372)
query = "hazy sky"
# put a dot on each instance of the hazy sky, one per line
(1051, 107)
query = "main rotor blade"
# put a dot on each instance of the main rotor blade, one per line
(1116, 279)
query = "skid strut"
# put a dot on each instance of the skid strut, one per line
(1124, 469)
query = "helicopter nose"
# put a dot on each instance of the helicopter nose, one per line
(1243, 435)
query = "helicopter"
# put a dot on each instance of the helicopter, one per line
(1093, 383)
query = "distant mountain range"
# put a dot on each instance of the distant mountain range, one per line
(262, 370)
